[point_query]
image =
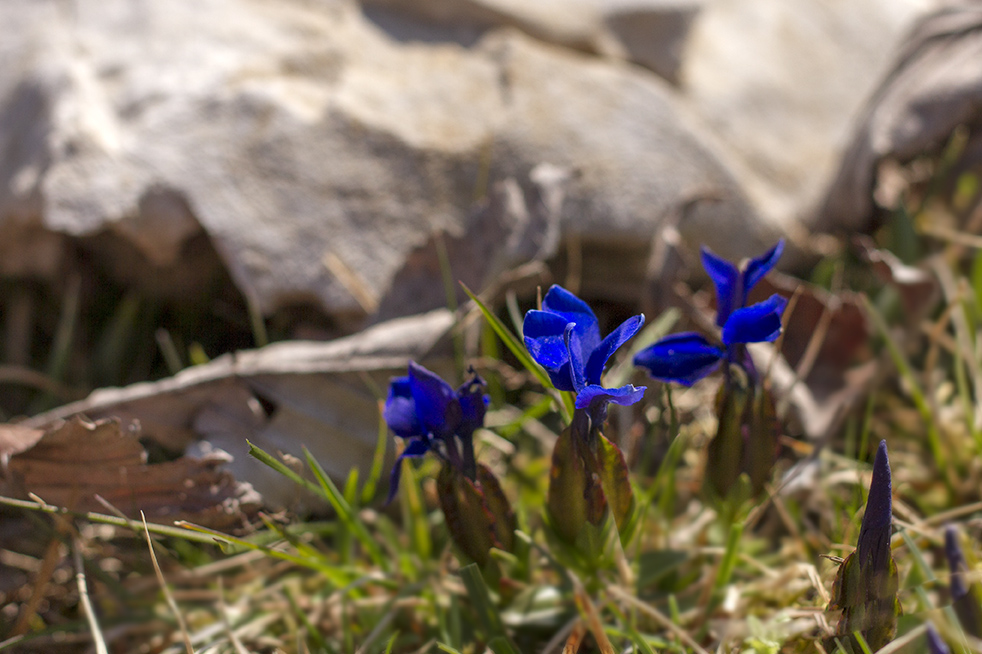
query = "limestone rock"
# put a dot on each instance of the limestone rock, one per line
(317, 150)
(934, 87)
(781, 84)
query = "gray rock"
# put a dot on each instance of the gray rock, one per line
(317, 151)
(646, 32)
(781, 83)
(934, 87)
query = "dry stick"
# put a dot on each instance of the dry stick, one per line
(48, 565)
(83, 597)
(223, 609)
(951, 514)
(560, 636)
(576, 636)
(785, 319)
(163, 586)
(591, 618)
(24, 376)
(28, 610)
(899, 643)
(658, 617)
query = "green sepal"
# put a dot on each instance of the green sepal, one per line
(494, 499)
(478, 515)
(575, 497)
(616, 482)
(868, 602)
(760, 449)
(724, 455)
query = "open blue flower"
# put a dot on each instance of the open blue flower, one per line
(564, 338)
(430, 415)
(687, 357)
(733, 284)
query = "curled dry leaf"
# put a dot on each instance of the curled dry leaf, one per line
(71, 463)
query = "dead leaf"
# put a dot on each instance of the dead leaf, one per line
(846, 340)
(77, 460)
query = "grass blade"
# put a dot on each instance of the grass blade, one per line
(345, 512)
(511, 342)
(916, 393)
(487, 614)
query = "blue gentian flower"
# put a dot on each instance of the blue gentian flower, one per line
(431, 416)
(687, 357)
(564, 338)
(733, 285)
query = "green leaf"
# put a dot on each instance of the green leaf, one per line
(512, 343)
(725, 452)
(616, 483)
(378, 462)
(652, 566)
(348, 516)
(329, 492)
(487, 614)
(334, 575)
(760, 449)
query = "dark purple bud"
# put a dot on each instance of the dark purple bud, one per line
(874, 534)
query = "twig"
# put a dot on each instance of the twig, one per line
(83, 597)
(560, 636)
(223, 610)
(658, 617)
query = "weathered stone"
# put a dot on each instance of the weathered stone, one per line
(934, 87)
(781, 84)
(317, 151)
(647, 32)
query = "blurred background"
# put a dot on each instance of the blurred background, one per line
(182, 180)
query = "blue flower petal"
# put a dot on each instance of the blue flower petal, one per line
(757, 268)
(437, 407)
(415, 448)
(560, 301)
(755, 324)
(400, 409)
(577, 362)
(545, 339)
(726, 277)
(683, 358)
(625, 395)
(598, 359)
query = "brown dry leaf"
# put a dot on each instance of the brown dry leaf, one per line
(846, 340)
(77, 460)
(826, 367)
